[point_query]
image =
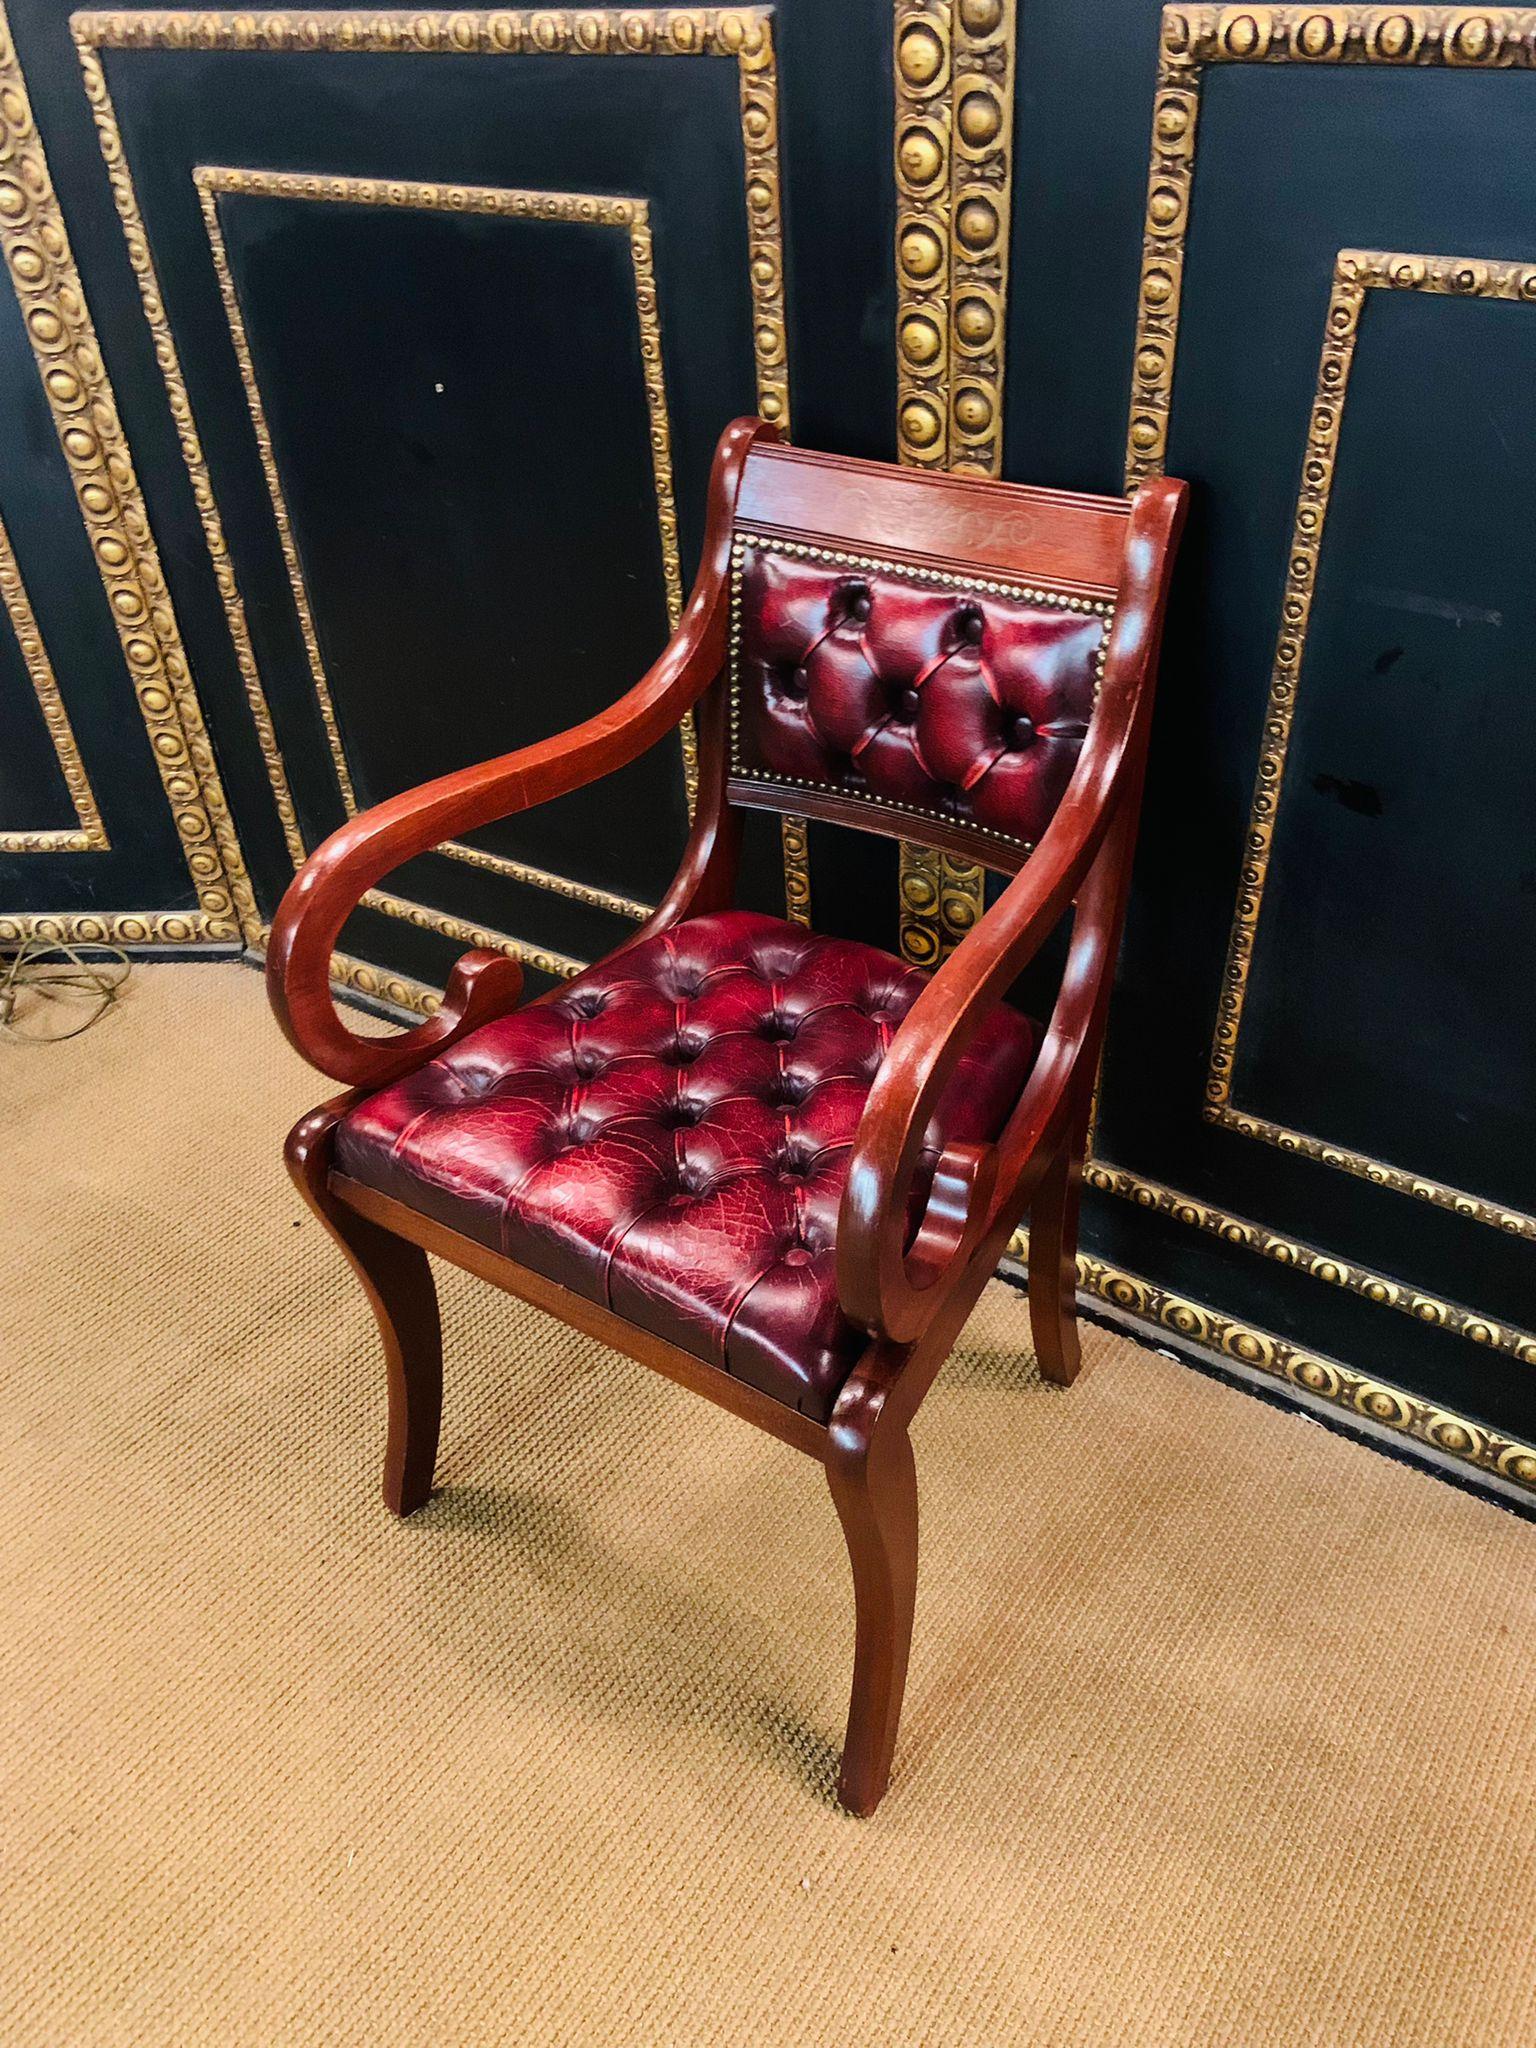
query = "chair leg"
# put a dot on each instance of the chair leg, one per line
(876, 1498)
(1053, 1267)
(397, 1278)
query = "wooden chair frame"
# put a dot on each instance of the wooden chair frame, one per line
(911, 1292)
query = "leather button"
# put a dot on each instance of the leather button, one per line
(794, 684)
(906, 704)
(798, 1257)
(857, 601)
(1021, 733)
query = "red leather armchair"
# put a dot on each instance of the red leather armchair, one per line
(776, 1166)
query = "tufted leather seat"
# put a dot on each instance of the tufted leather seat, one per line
(968, 702)
(670, 1136)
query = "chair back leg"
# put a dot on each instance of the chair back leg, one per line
(874, 1486)
(397, 1279)
(1053, 1265)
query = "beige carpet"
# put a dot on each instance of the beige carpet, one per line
(1219, 1727)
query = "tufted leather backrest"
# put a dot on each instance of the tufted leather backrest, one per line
(926, 694)
(915, 654)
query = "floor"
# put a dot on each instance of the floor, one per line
(1219, 1727)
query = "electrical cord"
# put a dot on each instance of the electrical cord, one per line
(48, 972)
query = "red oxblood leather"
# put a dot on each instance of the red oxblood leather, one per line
(959, 702)
(670, 1136)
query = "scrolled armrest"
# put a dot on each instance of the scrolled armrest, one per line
(334, 880)
(889, 1276)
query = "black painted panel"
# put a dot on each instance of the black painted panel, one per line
(484, 560)
(1405, 850)
(33, 795)
(1083, 92)
(472, 118)
(461, 429)
(144, 870)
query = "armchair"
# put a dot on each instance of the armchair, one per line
(776, 1166)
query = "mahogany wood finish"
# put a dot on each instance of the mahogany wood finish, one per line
(1064, 538)
(921, 1224)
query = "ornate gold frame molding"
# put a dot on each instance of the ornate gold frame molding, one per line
(954, 171)
(88, 834)
(1356, 273)
(401, 991)
(744, 36)
(560, 965)
(1324, 1379)
(1484, 38)
(1303, 1258)
(632, 218)
(954, 139)
(795, 846)
(48, 290)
